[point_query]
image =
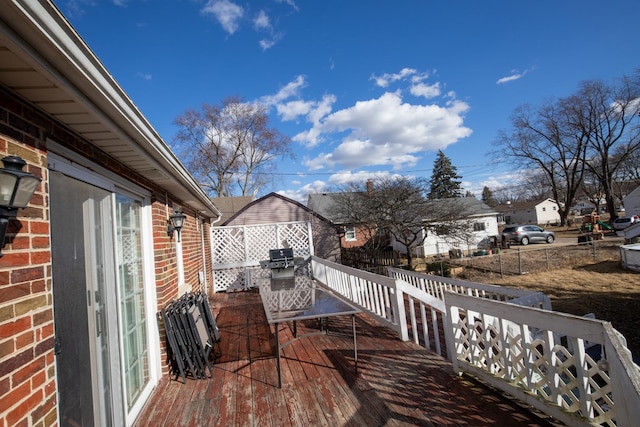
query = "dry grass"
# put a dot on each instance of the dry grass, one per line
(603, 288)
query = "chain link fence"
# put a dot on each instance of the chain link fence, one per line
(516, 261)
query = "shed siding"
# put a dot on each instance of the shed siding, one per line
(275, 208)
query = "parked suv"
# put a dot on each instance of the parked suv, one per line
(525, 234)
(623, 222)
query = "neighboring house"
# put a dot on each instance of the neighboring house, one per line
(89, 263)
(275, 208)
(352, 235)
(632, 203)
(482, 219)
(543, 212)
(229, 206)
(583, 207)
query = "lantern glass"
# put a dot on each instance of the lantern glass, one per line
(7, 186)
(177, 220)
(26, 187)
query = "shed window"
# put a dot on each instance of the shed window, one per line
(350, 233)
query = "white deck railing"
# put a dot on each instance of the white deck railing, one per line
(575, 369)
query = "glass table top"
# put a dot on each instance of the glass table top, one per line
(299, 298)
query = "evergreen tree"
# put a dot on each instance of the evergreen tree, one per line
(445, 182)
(487, 197)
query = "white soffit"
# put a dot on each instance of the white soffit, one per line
(45, 61)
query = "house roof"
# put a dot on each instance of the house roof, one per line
(229, 206)
(323, 204)
(45, 61)
(475, 207)
(519, 206)
(270, 195)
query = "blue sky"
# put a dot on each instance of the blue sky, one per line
(362, 87)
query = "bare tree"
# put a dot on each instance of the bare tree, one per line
(541, 140)
(609, 115)
(630, 167)
(230, 148)
(399, 206)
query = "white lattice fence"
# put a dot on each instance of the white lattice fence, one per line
(237, 250)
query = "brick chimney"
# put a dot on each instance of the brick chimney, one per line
(369, 187)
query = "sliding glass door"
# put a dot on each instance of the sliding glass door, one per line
(100, 303)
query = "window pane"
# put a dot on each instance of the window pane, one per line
(132, 302)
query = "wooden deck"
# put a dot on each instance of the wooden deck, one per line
(397, 383)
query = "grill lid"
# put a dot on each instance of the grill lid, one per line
(283, 254)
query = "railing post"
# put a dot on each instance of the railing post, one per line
(401, 316)
(519, 262)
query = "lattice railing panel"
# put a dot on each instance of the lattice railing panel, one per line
(228, 245)
(260, 239)
(538, 361)
(296, 236)
(229, 278)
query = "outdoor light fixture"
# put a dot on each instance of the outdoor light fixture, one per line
(175, 223)
(16, 189)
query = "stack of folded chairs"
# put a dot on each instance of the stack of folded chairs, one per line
(192, 334)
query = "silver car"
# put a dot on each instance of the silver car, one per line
(623, 222)
(525, 234)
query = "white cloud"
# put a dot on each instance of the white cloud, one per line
(386, 79)
(261, 22)
(290, 90)
(290, 3)
(145, 76)
(226, 12)
(425, 90)
(515, 75)
(384, 131)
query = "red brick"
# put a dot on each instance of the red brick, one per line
(24, 340)
(40, 242)
(38, 380)
(45, 332)
(27, 274)
(14, 259)
(38, 286)
(44, 346)
(20, 242)
(25, 407)
(13, 292)
(27, 371)
(37, 227)
(11, 329)
(41, 411)
(5, 386)
(40, 257)
(15, 395)
(42, 317)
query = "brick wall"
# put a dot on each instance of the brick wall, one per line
(27, 364)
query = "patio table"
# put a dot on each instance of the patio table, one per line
(290, 299)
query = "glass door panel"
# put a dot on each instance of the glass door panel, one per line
(132, 298)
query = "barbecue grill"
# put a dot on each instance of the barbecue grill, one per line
(281, 262)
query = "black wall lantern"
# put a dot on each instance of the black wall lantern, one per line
(16, 189)
(175, 223)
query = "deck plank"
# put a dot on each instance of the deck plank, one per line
(397, 383)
